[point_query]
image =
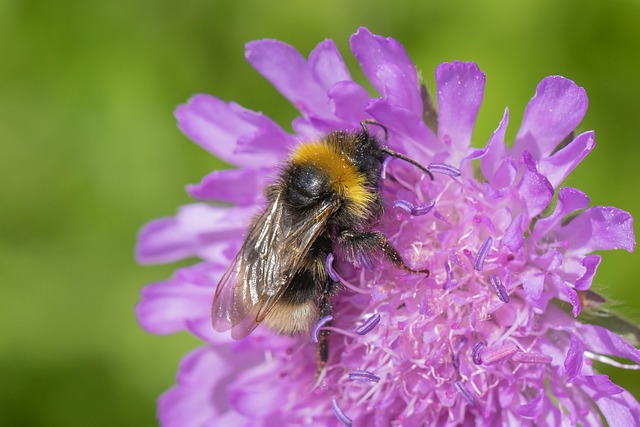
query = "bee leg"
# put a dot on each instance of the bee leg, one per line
(323, 335)
(358, 244)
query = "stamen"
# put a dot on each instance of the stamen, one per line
(383, 171)
(411, 209)
(341, 415)
(521, 357)
(319, 325)
(475, 353)
(328, 264)
(368, 325)
(496, 354)
(363, 376)
(444, 169)
(464, 391)
(482, 254)
(499, 289)
(449, 283)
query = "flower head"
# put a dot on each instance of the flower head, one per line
(486, 339)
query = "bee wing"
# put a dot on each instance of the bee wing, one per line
(263, 269)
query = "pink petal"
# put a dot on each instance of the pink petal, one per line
(349, 101)
(407, 132)
(495, 150)
(239, 186)
(602, 341)
(217, 127)
(619, 410)
(514, 235)
(189, 402)
(590, 263)
(533, 285)
(602, 384)
(460, 88)
(200, 396)
(553, 113)
(559, 165)
(531, 409)
(327, 65)
(197, 229)
(169, 307)
(599, 228)
(569, 201)
(389, 68)
(289, 72)
(575, 358)
(535, 190)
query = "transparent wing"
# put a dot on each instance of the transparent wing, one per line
(265, 265)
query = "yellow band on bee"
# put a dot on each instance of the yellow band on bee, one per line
(344, 176)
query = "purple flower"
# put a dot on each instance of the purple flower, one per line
(483, 340)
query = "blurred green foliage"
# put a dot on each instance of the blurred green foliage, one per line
(90, 152)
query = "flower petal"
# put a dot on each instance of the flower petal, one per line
(602, 341)
(569, 201)
(460, 88)
(514, 235)
(349, 101)
(599, 228)
(619, 410)
(200, 396)
(553, 113)
(187, 403)
(217, 126)
(222, 185)
(534, 189)
(575, 358)
(389, 68)
(590, 263)
(327, 66)
(559, 165)
(197, 229)
(289, 72)
(407, 132)
(495, 150)
(182, 303)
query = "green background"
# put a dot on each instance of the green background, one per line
(90, 152)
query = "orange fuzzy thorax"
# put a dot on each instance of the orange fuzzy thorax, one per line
(345, 179)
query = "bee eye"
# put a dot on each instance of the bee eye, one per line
(306, 184)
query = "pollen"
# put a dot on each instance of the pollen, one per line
(345, 177)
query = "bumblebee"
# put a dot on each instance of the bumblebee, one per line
(326, 197)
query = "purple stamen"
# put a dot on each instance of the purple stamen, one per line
(521, 357)
(319, 325)
(449, 283)
(444, 169)
(328, 264)
(363, 376)
(496, 354)
(368, 324)
(475, 353)
(464, 391)
(341, 415)
(385, 162)
(499, 289)
(482, 254)
(413, 210)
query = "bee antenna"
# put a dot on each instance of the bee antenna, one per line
(407, 159)
(364, 124)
